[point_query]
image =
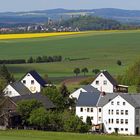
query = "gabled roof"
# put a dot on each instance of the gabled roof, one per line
(88, 99)
(133, 99)
(106, 98)
(20, 88)
(90, 88)
(38, 96)
(37, 77)
(108, 76)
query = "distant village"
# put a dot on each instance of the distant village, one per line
(50, 26)
(107, 104)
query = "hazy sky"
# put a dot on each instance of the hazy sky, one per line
(27, 5)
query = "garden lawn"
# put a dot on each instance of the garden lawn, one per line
(40, 135)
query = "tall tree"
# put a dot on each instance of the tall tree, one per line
(64, 90)
(6, 74)
(76, 71)
(85, 70)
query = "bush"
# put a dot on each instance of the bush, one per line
(119, 62)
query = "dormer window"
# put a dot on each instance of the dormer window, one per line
(97, 82)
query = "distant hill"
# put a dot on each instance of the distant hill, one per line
(125, 16)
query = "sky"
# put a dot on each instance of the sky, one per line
(29, 5)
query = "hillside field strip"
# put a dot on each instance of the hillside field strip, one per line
(40, 135)
(34, 35)
(92, 49)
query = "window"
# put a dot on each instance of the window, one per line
(118, 103)
(91, 109)
(117, 112)
(126, 112)
(117, 121)
(121, 121)
(112, 103)
(24, 81)
(81, 109)
(121, 129)
(112, 120)
(109, 121)
(32, 82)
(97, 82)
(112, 112)
(109, 128)
(122, 112)
(126, 121)
(100, 110)
(105, 82)
(126, 129)
(109, 111)
(99, 118)
(87, 109)
(123, 103)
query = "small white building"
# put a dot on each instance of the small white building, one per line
(16, 89)
(88, 88)
(104, 82)
(33, 81)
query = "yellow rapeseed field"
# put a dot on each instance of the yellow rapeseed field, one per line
(35, 35)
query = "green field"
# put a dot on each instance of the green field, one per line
(39, 135)
(101, 48)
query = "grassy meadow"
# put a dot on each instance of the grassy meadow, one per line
(94, 49)
(39, 135)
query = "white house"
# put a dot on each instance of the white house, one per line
(122, 114)
(88, 88)
(16, 89)
(87, 107)
(116, 112)
(33, 81)
(104, 82)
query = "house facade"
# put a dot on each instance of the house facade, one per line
(109, 113)
(33, 81)
(104, 82)
(16, 89)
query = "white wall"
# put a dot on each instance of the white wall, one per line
(101, 86)
(86, 114)
(10, 91)
(76, 93)
(113, 105)
(32, 87)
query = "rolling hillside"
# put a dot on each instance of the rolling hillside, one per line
(96, 49)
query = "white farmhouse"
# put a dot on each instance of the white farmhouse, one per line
(116, 112)
(87, 107)
(16, 89)
(33, 81)
(104, 82)
(88, 88)
(122, 114)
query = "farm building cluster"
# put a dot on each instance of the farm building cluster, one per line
(109, 105)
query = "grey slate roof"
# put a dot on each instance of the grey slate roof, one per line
(90, 88)
(88, 99)
(96, 99)
(38, 96)
(105, 99)
(20, 88)
(108, 76)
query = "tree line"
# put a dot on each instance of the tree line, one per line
(38, 59)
